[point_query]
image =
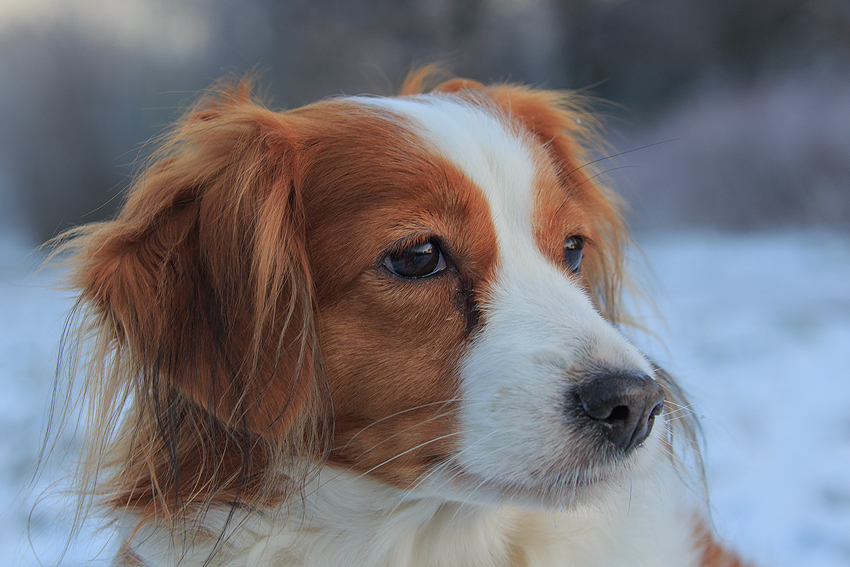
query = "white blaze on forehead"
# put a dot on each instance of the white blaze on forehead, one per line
(498, 159)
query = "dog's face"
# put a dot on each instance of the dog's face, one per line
(454, 312)
(434, 267)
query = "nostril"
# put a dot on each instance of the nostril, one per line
(622, 407)
(619, 413)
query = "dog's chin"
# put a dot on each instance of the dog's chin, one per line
(563, 491)
(546, 491)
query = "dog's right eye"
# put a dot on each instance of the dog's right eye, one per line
(417, 261)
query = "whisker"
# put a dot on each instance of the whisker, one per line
(681, 412)
(405, 452)
(396, 414)
(397, 433)
(606, 171)
(686, 415)
(620, 154)
(675, 405)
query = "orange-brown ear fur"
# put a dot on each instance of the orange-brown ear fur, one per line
(192, 272)
(427, 78)
(198, 296)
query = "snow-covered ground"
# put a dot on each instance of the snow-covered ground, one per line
(757, 328)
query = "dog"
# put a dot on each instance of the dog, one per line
(378, 331)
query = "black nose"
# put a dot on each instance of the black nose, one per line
(622, 407)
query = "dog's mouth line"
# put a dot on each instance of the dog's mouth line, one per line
(556, 488)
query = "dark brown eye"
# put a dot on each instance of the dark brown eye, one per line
(573, 252)
(417, 261)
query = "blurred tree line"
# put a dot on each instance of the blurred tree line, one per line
(81, 97)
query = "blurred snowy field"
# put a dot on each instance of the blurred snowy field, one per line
(757, 328)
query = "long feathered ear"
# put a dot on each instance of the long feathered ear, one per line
(202, 280)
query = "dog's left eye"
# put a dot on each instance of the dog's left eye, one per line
(417, 261)
(573, 253)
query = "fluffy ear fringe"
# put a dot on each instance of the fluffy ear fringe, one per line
(183, 296)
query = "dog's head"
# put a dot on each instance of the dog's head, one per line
(422, 288)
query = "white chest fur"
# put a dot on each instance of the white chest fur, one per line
(345, 520)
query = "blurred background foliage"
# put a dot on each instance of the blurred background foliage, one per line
(738, 111)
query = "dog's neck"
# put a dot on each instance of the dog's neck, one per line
(348, 520)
